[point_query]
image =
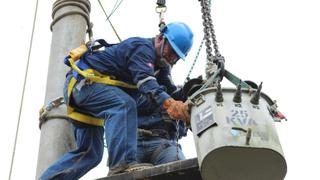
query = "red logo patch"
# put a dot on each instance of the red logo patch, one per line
(150, 65)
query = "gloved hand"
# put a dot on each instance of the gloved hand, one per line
(177, 110)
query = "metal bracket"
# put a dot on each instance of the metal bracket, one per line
(249, 133)
(198, 100)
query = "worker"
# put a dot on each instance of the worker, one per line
(158, 134)
(104, 85)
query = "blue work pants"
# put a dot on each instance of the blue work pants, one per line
(157, 150)
(75, 163)
(119, 111)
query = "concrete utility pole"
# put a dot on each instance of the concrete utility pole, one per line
(69, 26)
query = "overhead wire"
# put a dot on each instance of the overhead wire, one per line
(115, 7)
(23, 89)
(108, 17)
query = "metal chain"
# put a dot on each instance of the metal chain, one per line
(209, 37)
(216, 61)
(213, 36)
(194, 61)
(177, 138)
(209, 29)
(206, 30)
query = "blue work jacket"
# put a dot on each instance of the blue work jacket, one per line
(151, 116)
(132, 61)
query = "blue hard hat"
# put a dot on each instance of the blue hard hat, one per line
(180, 38)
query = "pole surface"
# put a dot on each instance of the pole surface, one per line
(67, 33)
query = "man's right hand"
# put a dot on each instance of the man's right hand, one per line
(177, 110)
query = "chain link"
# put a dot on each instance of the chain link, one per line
(213, 36)
(216, 61)
(209, 38)
(206, 29)
(177, 138)
(209, 29)
(194, 61)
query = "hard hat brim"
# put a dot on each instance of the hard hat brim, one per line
(176, 49)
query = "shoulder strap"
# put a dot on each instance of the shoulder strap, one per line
(101, 43)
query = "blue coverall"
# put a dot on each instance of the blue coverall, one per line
(132, 61)
(161, 146)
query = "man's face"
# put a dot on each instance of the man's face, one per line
(169, 54)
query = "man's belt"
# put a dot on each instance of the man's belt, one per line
(153, 133)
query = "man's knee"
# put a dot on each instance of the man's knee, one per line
(166, 152)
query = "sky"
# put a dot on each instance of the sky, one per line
(273, 41)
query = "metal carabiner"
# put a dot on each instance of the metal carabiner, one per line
(161, 9)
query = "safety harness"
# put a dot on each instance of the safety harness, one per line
(81, 71)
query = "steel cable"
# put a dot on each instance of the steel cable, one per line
(23, 90)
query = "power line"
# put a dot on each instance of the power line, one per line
(114, 9)
(24, 87)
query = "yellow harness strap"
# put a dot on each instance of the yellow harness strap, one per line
(93, 76)
(97, 77)
(79, 116)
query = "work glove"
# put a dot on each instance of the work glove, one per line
(177, 110)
